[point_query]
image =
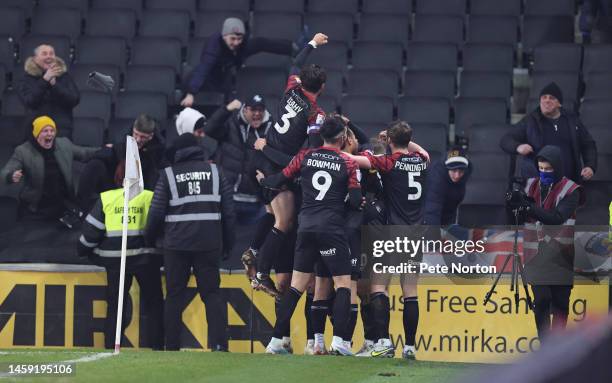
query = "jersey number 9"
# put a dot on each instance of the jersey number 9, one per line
(322, 187)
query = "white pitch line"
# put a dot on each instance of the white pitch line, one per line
(90, 358)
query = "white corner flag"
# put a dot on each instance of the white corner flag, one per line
(132, 186)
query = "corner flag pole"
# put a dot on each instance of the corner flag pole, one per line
(132, 186)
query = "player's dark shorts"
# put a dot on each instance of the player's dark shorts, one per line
(267, 167)
(283, 262)
(329, 251)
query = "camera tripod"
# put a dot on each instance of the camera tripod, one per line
(518, 272)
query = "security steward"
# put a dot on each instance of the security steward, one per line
(101, 242)
(192, 209)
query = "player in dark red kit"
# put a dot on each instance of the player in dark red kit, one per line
(403, 176)
(299, 119)
(328, 175)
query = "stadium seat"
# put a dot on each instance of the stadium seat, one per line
(550, 7)
(80, 5)
(279, 6)
(350, 6)
(472, 111)
(189, 6)
(157, 51)
(12, 105)
(328, 103)
(149, 78)
(483, 191)
(9, 207)
(538, 30)
(132, 104)
(595, 211)
(160, 23)
(480, 215)
(373, 55)
(424, 110)
(432, 137)
(493, 8)
(596, 112)
(597, 58)
(102, 51)
(370, 113)
(268, 60)
(334, 85)
(438, 29)
(598, 86)
(130, 5)
(285, 25)
(604, 168)
(493, 29)
(225, 5)
(57, 21)
(488, 57)
(486, 137)
(194, 51)
(485, 85)
(568, 82)
(12, 132)
(373, 82)
(602, 134)
(333, 55)
(80, 75)
(260, 80)
(88, 132)
(2, 79)
(12, 22)
(117, 129)
(60, 44)
(490, 166)
(209, 23)
(384, 28)
(441, 7)
(389, 7)
(430, 84)
(557, 57)
(338, 25)
(431, 57)
(123, 23)
(94, 105)
(25, 5)
(7, 54)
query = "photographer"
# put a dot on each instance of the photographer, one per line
(549, 209)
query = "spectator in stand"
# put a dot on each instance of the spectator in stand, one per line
(106, 170)
(446, 184)
(223, 55)
(192, 121)
(550, 124)
(596, 21)
(47, 89)
(43, 165)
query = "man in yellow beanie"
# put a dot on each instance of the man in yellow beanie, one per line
(42, 166)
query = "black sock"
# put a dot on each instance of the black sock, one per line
(369, 327)
(380, 314)
(411, 319)
(285, 312)
(352, 322)
(261, 231)
(309, 330)
(271, 247)
(318, 315)
(342, 311)
(277, 305)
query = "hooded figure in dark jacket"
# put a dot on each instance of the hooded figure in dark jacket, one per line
(47, 89)
(550, 124)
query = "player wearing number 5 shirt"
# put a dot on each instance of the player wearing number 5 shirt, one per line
(403, 176)
(328, 175)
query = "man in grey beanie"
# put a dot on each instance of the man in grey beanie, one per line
(223, 55)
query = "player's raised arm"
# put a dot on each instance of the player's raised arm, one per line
(318, 40)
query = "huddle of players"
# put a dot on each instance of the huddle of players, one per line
(333, 207)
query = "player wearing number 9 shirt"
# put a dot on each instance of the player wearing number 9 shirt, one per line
(403, 176)
(299, 118)
(328, 174)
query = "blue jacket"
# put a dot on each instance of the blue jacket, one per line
(443, 195)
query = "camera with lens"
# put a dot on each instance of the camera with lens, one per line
(517, 201)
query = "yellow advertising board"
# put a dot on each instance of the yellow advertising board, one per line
(67, 309)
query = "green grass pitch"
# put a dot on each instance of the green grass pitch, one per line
(175, 367)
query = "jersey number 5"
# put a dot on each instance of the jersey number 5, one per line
(285, 118)
(414, 184)
(321, 187)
